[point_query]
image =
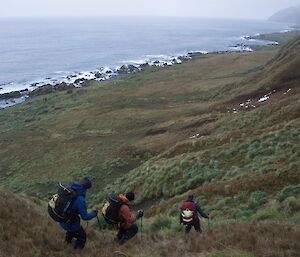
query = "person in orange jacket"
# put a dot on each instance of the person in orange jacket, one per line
(127, 227)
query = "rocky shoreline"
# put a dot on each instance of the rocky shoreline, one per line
(81, 79)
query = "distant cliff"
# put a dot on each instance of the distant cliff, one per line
(289, 15)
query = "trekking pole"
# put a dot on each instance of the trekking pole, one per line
(141, 227)
(98, 222)
(208, 224)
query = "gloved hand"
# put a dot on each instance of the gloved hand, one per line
(140, 214)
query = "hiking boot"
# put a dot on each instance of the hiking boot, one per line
(68, 238)
(122, 241)
(78, 246)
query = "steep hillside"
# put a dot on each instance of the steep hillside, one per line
(26, 231)
(110, 128)
(225, 127)
(245, 150)
(289, 15)
(283, 68)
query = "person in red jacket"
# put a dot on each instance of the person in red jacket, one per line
(127, 227)
(189, 215)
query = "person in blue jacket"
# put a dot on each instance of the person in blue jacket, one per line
(78, 208)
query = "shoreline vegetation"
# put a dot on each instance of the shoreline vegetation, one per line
(80, 79)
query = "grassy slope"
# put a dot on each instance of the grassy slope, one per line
(140, 126)
(105, 130)
(243, 164)
(29, 232)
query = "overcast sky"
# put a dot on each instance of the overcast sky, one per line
(257, 9)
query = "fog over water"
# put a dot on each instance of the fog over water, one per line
(254, 9)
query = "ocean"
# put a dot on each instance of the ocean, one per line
(51, 50)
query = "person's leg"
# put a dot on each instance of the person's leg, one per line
(119, 235)
(187, 228)
(69, 237)
(197, 226)
(80, 236)
(129, 233)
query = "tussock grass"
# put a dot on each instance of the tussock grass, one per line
(29, 232)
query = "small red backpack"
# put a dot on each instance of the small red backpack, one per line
(188, 210)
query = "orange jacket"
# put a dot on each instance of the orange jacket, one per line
(126, 218)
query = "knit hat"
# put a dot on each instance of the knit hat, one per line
(190, 197)
(130, 196)
(86, 183)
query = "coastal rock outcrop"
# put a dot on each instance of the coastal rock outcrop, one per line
(79, 81)
(48, 88)
(125, 69)
(63, 87)
(14, 94)
(99, 75)
(45, 89)
(144, 66)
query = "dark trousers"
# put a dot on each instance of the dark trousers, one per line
(126, 234)
(196, 224)
(80, 236)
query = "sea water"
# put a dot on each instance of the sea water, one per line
(50, 49)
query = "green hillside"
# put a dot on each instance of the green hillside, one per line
(110, 128)
(244, 162)
(225, 127)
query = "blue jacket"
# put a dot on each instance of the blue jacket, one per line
(78, 207)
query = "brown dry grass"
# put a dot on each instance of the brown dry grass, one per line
(26, 231)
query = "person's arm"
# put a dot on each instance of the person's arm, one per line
(126, 215)
(83, 210)
(180, 216)
(201, 212)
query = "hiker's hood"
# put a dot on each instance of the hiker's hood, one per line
(124, 199)
(79, 189)
(190, 200)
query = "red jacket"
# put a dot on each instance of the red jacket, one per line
(126, 218)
